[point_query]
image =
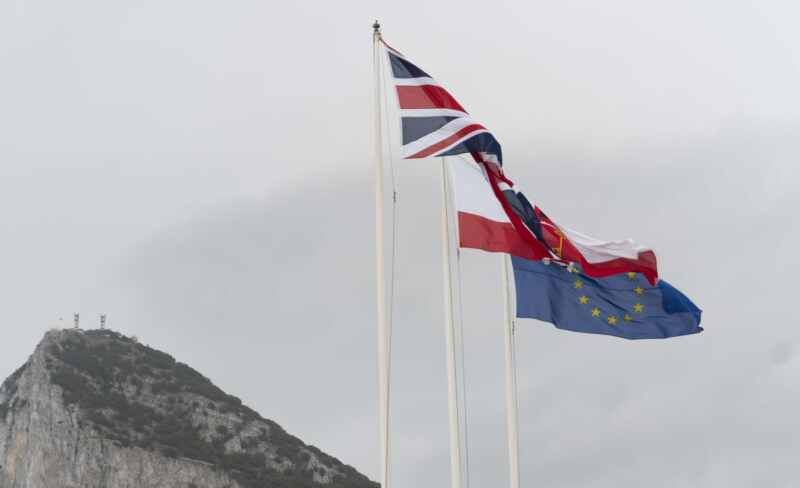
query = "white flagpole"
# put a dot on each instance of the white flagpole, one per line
(512, 423)
(450, 296)
(384, 324)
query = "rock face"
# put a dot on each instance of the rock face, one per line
(96, 409)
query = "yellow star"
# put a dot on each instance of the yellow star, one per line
(595, 312)
(583, 299)
(578, 284)
(638, 307)
(612, 320)
(631, 275)
(627, 318)
(639, 290)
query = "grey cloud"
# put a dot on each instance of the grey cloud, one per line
(595, 411)
(201, 173)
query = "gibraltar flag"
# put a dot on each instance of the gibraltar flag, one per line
(494, 217)
(598, 258)
(485, 220)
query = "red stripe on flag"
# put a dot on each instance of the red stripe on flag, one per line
(426, 96)
(644, 263)
(476, 232)
(495, 173)
(433, 149)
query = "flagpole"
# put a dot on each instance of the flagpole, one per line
(384, 322)
(512, 416)
(450, 296)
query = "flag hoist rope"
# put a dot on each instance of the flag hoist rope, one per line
(512, 408)
(452, 297)
(384, 323)
(452, 306)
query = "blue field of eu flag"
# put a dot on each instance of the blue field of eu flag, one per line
(624, 305)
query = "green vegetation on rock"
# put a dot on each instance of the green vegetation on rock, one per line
(137, 396)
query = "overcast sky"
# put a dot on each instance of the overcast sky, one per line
(202, 172)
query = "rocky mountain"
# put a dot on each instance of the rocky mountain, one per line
(96, 409)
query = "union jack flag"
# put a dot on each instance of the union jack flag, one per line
(433, 122)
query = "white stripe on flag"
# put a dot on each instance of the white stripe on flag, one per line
(440, 134)
(599, 251)
(431, 112)
(472, 191)
(415, 81)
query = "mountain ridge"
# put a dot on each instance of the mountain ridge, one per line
(97, 408)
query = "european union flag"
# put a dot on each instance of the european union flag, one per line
(624, 305)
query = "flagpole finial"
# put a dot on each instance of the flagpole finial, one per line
(376, 28)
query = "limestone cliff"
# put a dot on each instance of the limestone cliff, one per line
(97, 409)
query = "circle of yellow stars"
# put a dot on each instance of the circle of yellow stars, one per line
(638, 307)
